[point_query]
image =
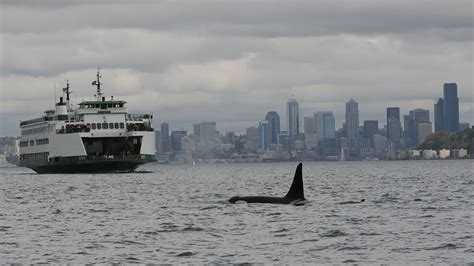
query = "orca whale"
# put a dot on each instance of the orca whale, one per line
(294, 196)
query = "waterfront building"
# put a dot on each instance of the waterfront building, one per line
(352, 122)
(274, 122)
(292, 118)
(325, 125)
(451, 107)
(443, 154)
(439, 115)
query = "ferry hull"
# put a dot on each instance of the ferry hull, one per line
(92, 166)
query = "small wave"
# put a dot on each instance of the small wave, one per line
(427, 216)
(210, 208)
(350, 248)
(185, 254)
(71, 188)
(349, 261)
(280, 230)
(333, 233)
(310, 240)
(370, 234)
(4, 228)
(132, 259)
(444, 246)
(192, 229)
(128, 242)
(97, 210)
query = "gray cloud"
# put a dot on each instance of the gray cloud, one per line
(231, 62)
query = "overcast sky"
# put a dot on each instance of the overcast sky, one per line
(232, 61)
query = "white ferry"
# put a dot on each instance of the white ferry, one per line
(98, 136)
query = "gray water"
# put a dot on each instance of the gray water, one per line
(414, 212)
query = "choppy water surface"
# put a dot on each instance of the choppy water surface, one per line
(416, 212)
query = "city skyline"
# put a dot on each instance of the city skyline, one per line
(206, 60)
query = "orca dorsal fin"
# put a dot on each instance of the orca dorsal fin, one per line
(296, 190)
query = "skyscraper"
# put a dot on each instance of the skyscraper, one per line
(325, 125)
(293, 118)
(439, 115)
(264, 135)
(352, 122)
(309, 125)
(176, 136)
(393, 125)
(274, 122)
(409, 130)
(165, 137)
(419, 116)
(370, 129)
(451, 107)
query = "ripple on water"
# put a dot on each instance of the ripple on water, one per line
(333, 233)
(446, 246)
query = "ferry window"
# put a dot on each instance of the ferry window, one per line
(111, 125)
(97, 106)
(116, 125)
(103, 106)
(121, 105)
(93, 126)
(109, 105)
(122, 125)
(99, 126)
(32, 143)
(105, 126)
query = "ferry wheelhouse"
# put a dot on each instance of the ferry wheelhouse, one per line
(97, 136)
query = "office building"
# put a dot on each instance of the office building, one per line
(264, 135)
(274, 122)
(293, 118)
(393, 125)
(176, 137)
(439, 115)
(165, 137)
(325, 125)
(424, 129)
(352, 122)
(451, 107)
(371, 127)
(309, 125)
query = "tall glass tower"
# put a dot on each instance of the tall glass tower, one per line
(352, 122)
(451, 107)
(274, 120)
(439, 115)
(293, 118)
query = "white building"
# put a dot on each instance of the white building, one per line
(429, 154)
(443, 154)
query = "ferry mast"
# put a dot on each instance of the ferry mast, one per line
(97, 84)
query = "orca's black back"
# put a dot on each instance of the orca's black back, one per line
(296, 190)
